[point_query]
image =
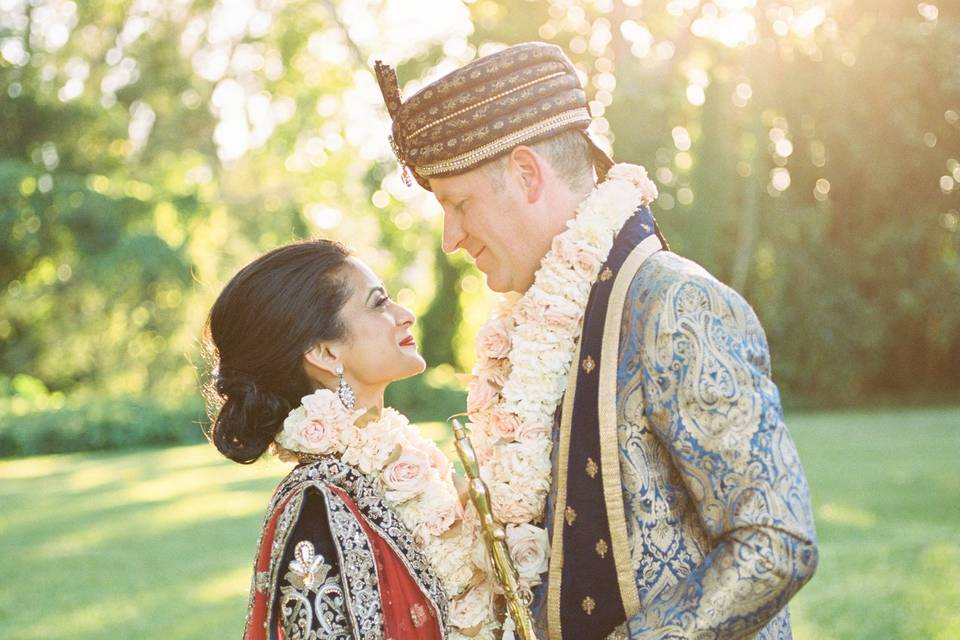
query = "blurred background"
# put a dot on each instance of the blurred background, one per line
(807, 152)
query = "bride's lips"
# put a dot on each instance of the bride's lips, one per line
(408, 342)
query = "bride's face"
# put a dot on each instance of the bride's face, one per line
(379, 347)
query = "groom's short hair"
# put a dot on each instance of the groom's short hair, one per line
(568, 153)
(524, 94)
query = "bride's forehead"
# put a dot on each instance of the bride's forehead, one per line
(362, 275)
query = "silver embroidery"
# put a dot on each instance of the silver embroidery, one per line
(361, 585)
(312, 603)
(355, 557)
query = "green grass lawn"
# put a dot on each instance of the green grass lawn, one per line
(159, 544)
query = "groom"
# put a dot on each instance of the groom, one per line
(678, 507)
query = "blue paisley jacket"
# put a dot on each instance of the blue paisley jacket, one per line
(719, 522)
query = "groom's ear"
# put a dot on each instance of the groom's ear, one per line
(320, 358)
(529, 168)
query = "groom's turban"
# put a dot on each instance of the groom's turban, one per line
(523, 94)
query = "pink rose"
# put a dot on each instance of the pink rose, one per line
(528, 309)
(406, 476)
(317, 425)
(561, 315)
(532, 432)
(495, 372)
(493, 341)
(480, 395)
(472, 608)
(319, 436)
(553, 312)
(440, 510)
(581, 257)
(439, 462)
(504, 425)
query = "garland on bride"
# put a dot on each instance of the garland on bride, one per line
(524, 354)
(416, 480)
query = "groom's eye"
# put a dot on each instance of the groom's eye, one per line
(459, 206)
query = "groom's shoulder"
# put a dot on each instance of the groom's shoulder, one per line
(669, 280)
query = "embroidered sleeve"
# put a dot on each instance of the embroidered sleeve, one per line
(311, 602)
(711, 402)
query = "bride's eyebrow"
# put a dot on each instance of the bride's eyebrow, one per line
(374, 290)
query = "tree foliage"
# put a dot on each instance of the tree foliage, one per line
(807, 152)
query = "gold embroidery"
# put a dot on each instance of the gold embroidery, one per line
(491, 149)
(570, 515)
(418, 615)
(589, 364)
(485, 101)
(262, 581)
(588, 604)
(592, 468)
(606, 274)
(601, 548)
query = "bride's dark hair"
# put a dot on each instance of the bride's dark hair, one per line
(266, 318)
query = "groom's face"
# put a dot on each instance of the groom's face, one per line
(487, 214)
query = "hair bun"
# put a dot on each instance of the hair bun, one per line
(250, 417)
(231, 383)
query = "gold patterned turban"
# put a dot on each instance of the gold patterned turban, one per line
(523, 94)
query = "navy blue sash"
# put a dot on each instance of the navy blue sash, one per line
(590, 602)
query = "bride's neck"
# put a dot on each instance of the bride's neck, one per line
(368, 397)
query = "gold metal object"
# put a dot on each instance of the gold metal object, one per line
(495, 538)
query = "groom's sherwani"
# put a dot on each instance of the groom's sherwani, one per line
(709, 529)
(679, 508)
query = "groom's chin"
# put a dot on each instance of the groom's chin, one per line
(498, 283)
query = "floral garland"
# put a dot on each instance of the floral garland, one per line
(524, 354)
(416, 480)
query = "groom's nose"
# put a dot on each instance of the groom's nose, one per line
(453, 233)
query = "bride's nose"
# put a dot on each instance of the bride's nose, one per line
(405, 317)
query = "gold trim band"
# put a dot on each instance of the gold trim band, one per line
(485, 101)
(554, 578)
(608, 413)
(467, 160)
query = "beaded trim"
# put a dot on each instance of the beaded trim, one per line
(467, 160)
(485, 101)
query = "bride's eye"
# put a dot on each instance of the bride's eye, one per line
(382, 301)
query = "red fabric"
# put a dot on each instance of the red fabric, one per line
(255, 629)
(407, 612)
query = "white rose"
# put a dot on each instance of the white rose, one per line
(373, 445)
(592, 228)
(530, 550)
(636, 175)
(450, 556)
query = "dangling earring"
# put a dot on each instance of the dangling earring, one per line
(344, 392)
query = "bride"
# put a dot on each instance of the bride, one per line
(366, 536)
